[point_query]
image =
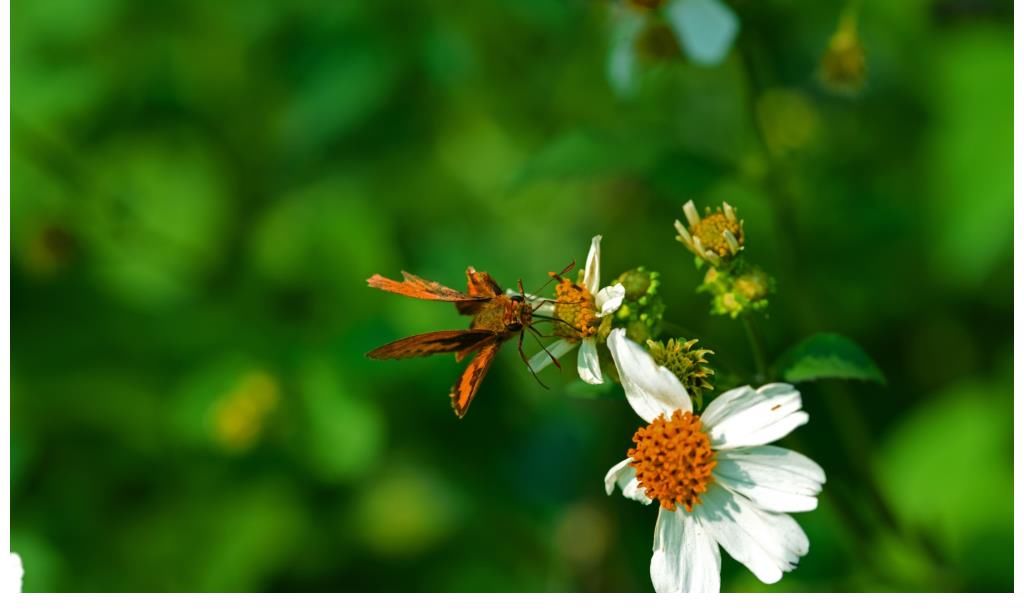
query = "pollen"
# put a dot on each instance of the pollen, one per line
(673, 460)
(574, 305)
(711, 232)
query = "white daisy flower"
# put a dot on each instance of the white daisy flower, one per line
(580, 306)
(718, 481)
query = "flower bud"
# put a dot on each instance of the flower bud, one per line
(686, 362)
(642, 310)
(733, 294)
(843, 68)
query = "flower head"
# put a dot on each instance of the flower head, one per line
(843, 68)
(717, 480)
(716, 238)
(580, 307)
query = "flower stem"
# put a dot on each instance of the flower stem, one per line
(756, 349)
(852, 431)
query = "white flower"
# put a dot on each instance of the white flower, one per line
(582, 307)
(717, 479)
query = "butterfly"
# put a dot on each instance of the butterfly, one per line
(497, 317)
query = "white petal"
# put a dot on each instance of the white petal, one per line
(690, 211)
(592, 272)
(774, 478)
(730, 238)
(745, 417)
(624, 475)
(558, 348)
(760, 436)
(726, 401)
(13, 574)
(684, 234)
(686, 557)
(766, 543)
(730, 213)
(609, 299)
(546, 308)
(651, 390)
(587, 362)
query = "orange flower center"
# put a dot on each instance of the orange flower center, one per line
(709, 231)
(574, 304)
(673, 460)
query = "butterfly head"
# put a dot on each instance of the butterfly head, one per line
(518, 314)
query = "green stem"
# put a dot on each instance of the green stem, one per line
(853, 433)
(756, 349)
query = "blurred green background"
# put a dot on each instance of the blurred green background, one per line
(200, 189)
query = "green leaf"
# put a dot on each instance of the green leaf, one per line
(828, 356)
(962, 435)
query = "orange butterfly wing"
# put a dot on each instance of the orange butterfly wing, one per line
(444, 341)
(466, 385)
(418, 287)
(481, 286)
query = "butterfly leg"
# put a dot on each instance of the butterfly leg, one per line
(537, 336)
(526, 360)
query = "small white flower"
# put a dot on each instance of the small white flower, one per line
(581, 306)
(718, 481)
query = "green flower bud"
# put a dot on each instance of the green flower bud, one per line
(686, 362)
(733, 294)
(843, 68)
(639, 283)
(754, 285)
(642, 309)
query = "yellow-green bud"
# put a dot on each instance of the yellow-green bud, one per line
(733, 294)
(642, 309)
(843, 68)
(686, 362)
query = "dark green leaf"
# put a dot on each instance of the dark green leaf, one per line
(828, 356)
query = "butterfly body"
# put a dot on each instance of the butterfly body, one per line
(497, 318)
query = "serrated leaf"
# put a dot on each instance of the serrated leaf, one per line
(828, 356)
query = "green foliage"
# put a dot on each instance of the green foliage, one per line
(827, 356)
(964, 434)
(199, 191)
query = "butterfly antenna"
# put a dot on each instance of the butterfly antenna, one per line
(553, 301)
(526, 360)
(552, 276)
(536, 337)
(557, 319)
